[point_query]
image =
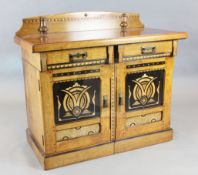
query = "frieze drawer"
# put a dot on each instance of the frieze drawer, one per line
(147, 50)
(76, 57)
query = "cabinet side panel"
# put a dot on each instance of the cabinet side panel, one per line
(33, 103)
(168, 91)
(32, 58)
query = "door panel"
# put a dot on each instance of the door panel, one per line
(140, 91)
(76, 100)
(80, 112)
(144, 89)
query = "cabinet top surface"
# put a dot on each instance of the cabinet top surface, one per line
(89, 29)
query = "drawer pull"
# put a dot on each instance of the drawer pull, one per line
(148, 50)
(105, 102)
(78, 57)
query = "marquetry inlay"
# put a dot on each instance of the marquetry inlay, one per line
(76, 100)
(144, 89)
(130, 58)
(77, 132)
(76, 73)
(145, 64)
(67, 65)
(143, 119)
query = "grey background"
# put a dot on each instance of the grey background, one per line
(179, 156)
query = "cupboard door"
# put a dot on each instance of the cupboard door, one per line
(140, 97)
(79, 111)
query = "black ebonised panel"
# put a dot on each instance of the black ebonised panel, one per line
(144, 89)
(75, 100)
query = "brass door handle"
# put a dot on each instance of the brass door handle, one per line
(78, 57)
(105, 102)
(148, 50)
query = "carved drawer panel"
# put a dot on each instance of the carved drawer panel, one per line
(76, 57)
(77, 132)
(146, 50)
(143, 119)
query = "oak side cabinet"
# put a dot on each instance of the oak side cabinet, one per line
(96, 83)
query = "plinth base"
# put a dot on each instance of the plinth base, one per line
(49, 162)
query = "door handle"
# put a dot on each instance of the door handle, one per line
(105, 101)
(120, 100)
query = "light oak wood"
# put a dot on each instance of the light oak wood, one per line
(33, 103)
(61, 41)
(142, 141)
(66, 51)
(135, 49)
(81, 21)
(100, 150)
(58, 160)
(99, 53)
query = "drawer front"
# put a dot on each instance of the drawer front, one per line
(76, 57)
(146, 50)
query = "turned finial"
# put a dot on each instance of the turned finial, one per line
(124, 24)
(43, 26)
(124, 21)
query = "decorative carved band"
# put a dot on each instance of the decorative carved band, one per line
(81, 78)
(130, 58)
(113, 105)
(83, 17)
(66, 65)
(145, 64)
(76, 73)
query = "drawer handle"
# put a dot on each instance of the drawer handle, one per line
(148, 50)
(105, 101)
(78, 57)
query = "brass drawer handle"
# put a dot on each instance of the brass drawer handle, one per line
(78, 57)
(148, 50)
(105, 101)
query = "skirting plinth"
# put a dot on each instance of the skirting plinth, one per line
(58, 160)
